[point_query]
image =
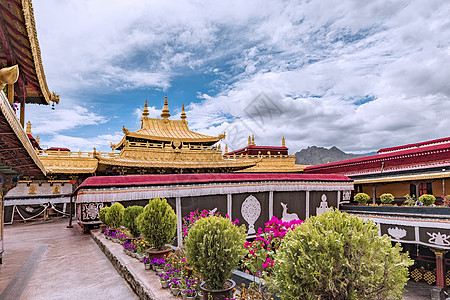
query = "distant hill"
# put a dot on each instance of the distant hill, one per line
(314, 155)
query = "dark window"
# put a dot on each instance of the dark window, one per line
(412, 189)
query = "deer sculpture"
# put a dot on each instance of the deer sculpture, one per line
(287, 217)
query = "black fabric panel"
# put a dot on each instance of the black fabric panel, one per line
(30, 211)
(8, 214)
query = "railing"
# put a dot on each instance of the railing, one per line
(72, 153)
(265, 156)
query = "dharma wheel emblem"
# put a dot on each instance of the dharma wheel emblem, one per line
(251, 210)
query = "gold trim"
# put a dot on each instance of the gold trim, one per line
(30, 26)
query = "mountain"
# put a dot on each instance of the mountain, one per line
(314, 155)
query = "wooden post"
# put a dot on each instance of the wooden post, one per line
(11, 93)
(374, 194)
(22, 112)
(440, 267)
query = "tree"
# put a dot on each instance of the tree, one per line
(338, 256)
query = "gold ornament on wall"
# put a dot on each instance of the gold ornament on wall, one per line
(32, 190)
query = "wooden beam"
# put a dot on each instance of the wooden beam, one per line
(6, 43)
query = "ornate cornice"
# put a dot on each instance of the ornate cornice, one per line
(36, 51)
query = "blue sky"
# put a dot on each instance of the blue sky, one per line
(359, 75)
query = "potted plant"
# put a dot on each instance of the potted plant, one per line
(158, 224)
(387, 198)
(188, 288)
(164, 280)
(129, 219)
(102, 217)
(147, 263)
(114, 216)
(214, 248)
(427, 200)
(158, 264)
(362, 198)
(368, 266)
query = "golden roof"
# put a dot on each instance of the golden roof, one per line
(165, 130)
(130, 162)
(19, 30)
(67, 162)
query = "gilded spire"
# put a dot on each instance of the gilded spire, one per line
(183, 114)
(28, 127)
(37, 139)
(253, 140)
(226, 148)
(145, 112)
(165, 112)
(249, 140)
(283, 142)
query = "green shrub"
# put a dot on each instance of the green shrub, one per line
(158, 223)
(114, 215)
(409, 200)
(129, 219)
(362, 198)
(214, 247)
(102, 214)
(338, 256)
(427, 200)
(387, 198)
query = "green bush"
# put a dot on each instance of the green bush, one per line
(387, 198)
(102, 214)
(129, 219)
(362, 198)
(409, 200)
(338, 256)
(427, 200)
(114, 215)
(214, 247)
(158, 223)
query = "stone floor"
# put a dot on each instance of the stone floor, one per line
(46, 260)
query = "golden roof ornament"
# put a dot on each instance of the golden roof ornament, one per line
(37, 139)
(145, 112)
(28, 131)
(183, 114)
(226, 148)
(9, 75)
(249, 140)
(283, 142)
(126, 131)
(253, 140)
(165, 112)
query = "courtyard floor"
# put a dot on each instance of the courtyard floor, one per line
(46, 260)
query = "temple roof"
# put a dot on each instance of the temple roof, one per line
(19, 45)
(165, 130)
(17, 155)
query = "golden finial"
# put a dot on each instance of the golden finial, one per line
(226, 148)
(183, 113)
(219, 147)
(249, 141)
(145, 112)
(126, 131)
(37, 139)
(253, 140)
(28, 127)
(283, 142)
(165, 112)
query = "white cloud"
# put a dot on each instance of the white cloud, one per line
(318, 61)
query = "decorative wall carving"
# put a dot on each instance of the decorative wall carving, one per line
(90, 211)
(323, 205)
(397, 233)
(32, 190)
(251, 210)
(287, 217)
